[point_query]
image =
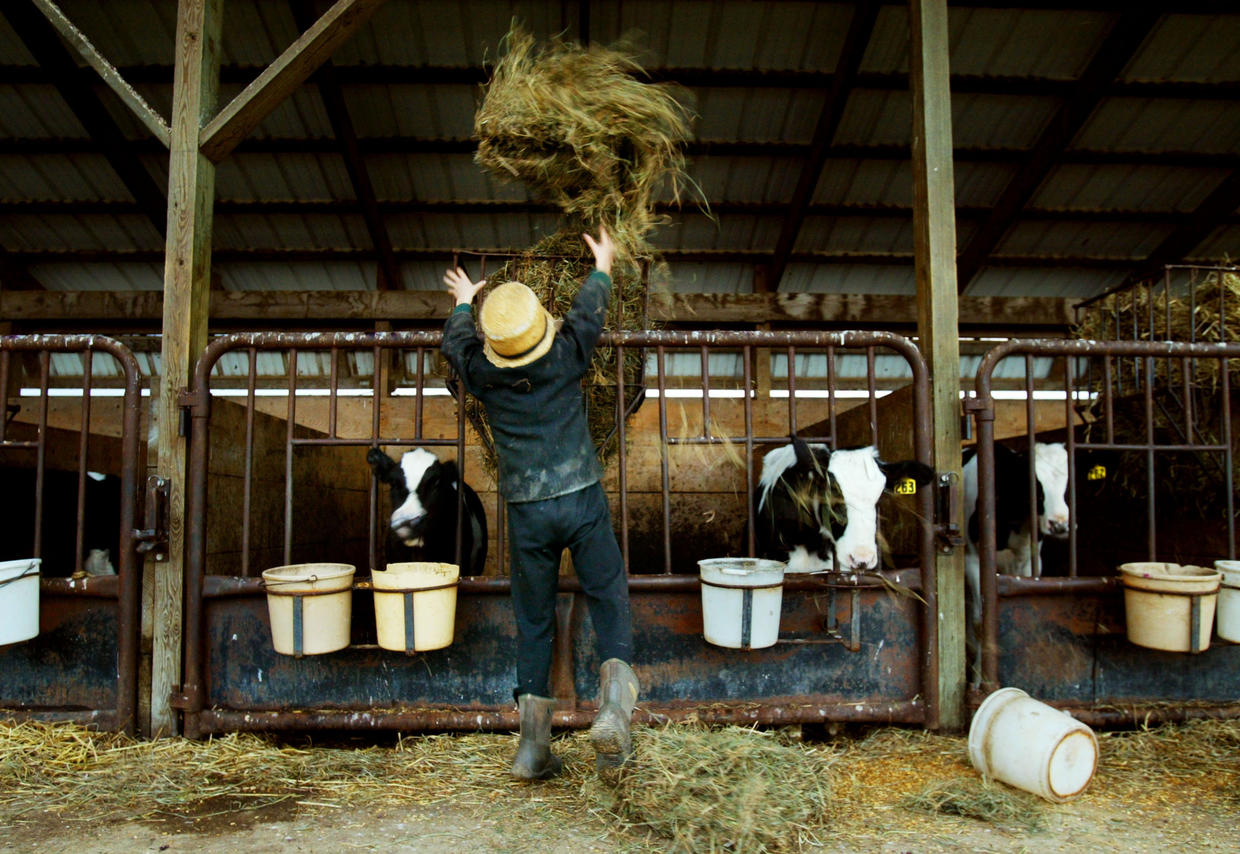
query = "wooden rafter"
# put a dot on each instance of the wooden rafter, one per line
(410, 145)
(279, 79)
(859, 31)
(1117, 49)
(73, 85)
(116, 82)
(363, 306)
(437, 254)
(354, 164)
(509, 207)
(703, 78)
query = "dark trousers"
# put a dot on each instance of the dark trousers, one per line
(538, 532)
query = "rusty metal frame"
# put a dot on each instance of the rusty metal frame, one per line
(125, 588)
(1142, 381)
(200, 715)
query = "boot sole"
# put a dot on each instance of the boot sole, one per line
(608, 735)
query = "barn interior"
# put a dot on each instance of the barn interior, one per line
(956, 174)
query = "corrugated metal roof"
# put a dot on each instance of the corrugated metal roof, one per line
(1191, 143)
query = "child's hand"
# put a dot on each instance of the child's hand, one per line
(461, 287)
(604, 250)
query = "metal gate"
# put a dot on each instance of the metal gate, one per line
(855, 646)
(1151, 478)
(71, 424)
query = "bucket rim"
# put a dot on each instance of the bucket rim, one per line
(1189, 573)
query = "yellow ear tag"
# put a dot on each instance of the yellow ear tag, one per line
(906, 486)
(1097, 473)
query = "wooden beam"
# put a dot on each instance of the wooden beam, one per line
(342, 126)
(859, 31)
(129, 97)
(416, 145)
(1119, 47)
(934, 247)
(15, 277)
(45, 45)
(279, 79)
(855, 309)
(187, 282)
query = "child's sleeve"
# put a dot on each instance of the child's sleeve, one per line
(584, 322)
(460, 345)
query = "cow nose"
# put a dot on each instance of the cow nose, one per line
(862, 557)
(1058, 525)
(406, 520)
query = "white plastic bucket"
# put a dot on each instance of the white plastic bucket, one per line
(1228, 613)
(1027, 744)
(741, 601)
(1168, 606)
(415, 605)
(19, 599)
(311, 607)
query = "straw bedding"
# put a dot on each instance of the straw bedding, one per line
(689, 788)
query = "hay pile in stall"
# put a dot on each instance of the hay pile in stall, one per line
(1151, 311)
(580, 128)
(724, 789)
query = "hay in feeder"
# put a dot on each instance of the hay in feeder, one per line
(1202, 311)
(722, 789)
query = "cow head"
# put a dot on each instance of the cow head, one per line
(836, 492)
(415, 483)
(1050, 465)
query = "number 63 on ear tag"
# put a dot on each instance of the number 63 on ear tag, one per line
(905, 486)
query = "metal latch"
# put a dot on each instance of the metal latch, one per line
(154, 536)
(946, 512)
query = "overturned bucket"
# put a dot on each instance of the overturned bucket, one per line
(310, 606)
(1168, 606)
(19, 599)
(415, 605)
(1027, 744)
(741, 601)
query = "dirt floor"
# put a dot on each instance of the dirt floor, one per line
(61, 790)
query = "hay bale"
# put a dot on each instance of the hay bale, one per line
(580, 129)
(982, 800)
(724, 789)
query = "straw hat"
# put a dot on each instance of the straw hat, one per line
(518, 329)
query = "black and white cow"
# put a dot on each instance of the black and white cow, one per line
(1014, 518)
(424, 507)
(812, 503)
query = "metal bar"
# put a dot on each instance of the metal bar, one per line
(247, 497)
(83, 445)
(290, 423)
(45, 362)
(623, 458)
(665, 447)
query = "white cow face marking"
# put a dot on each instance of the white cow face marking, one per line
(861, 483)
(414, 464)
(1050, 464)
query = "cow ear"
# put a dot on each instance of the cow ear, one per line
(381, 464)
(897, 473)
(805, 456)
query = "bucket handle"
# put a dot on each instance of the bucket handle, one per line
(31, 571)
(706, 583)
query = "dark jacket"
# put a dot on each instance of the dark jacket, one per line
(536, 411)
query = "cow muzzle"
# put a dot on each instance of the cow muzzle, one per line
(862, 557)
(407, 529)
(1056, 526)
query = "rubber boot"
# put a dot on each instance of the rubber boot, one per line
(534, 759)
(610, 732)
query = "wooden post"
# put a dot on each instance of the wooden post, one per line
(187, 282)
(934, 247)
